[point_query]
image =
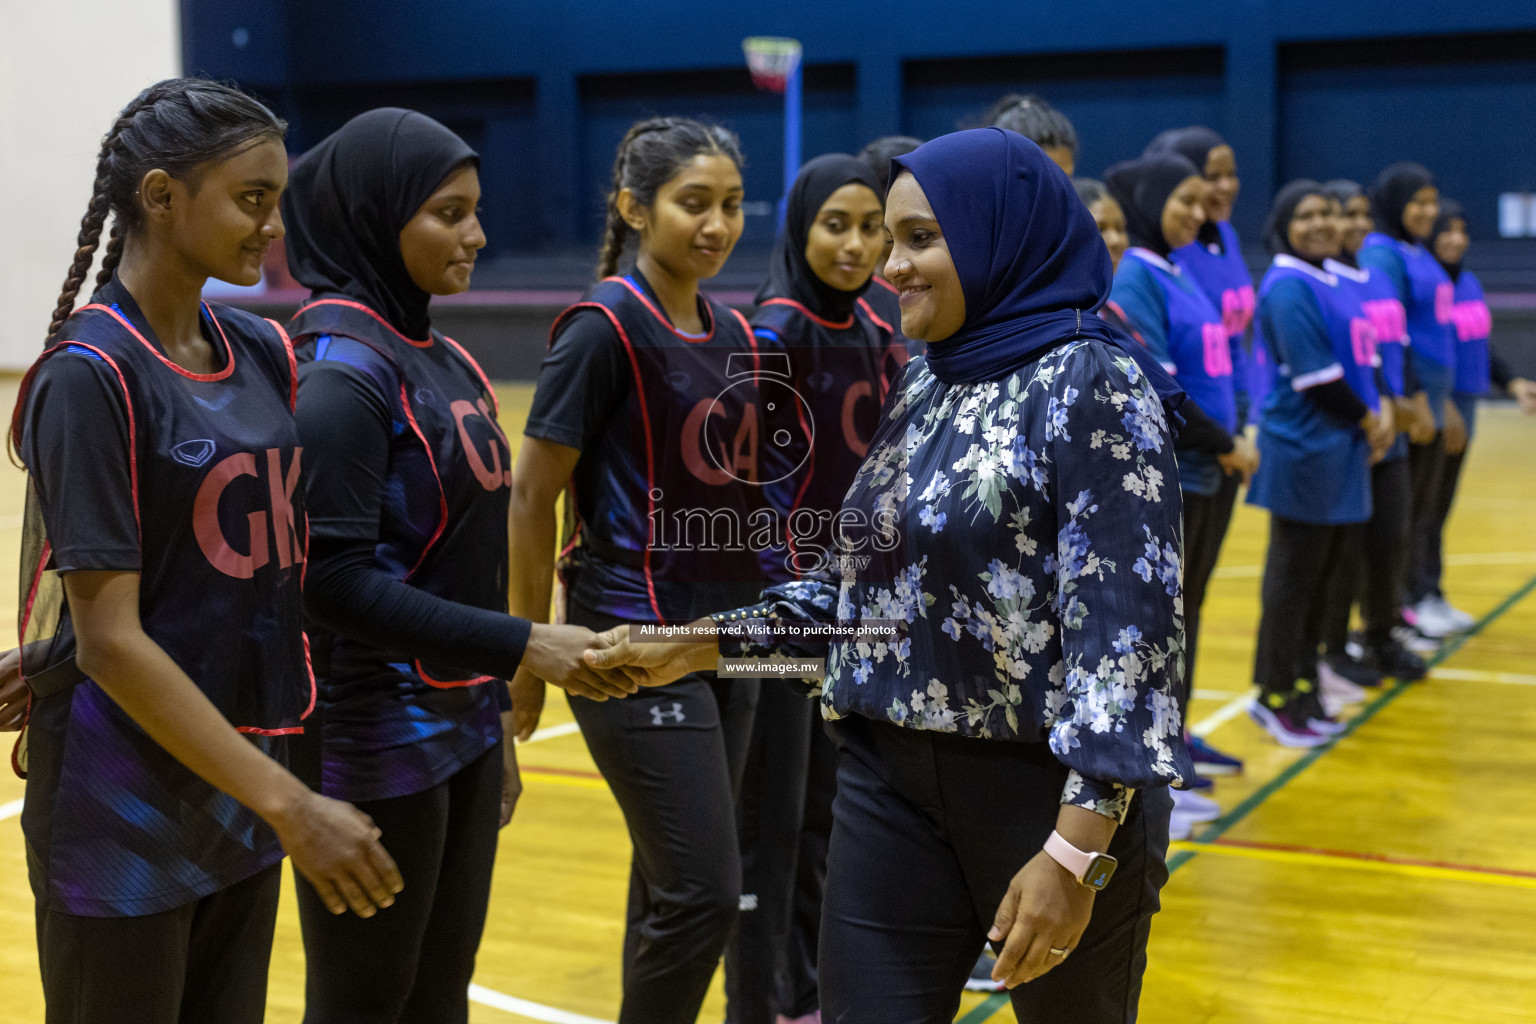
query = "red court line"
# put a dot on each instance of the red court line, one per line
(1252, 844)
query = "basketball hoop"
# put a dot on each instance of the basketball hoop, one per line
(771, 59)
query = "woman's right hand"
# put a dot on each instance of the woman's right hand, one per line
(336, 847)
(554, 653)
(1421, 421)
(652, 664)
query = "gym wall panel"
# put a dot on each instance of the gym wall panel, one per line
(1116, 100)
(611, 103)
(63, 78)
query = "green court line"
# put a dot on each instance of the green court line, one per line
(1221, 825)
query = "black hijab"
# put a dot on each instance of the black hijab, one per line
(789, 275)
(349, 197)
(1450, 210)
(1390, 194)
(1193, 144)
(1142, 187)
(1277, 229)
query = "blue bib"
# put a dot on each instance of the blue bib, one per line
(1472, 323)
(1220, 272)
(1428, 304)
(1315, 466)
(1198, 344)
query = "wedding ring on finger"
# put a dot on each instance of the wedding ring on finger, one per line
(1058, 951)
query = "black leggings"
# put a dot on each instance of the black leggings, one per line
(1372, 565)
(205, 961)
(411, 963)
(928, 831)
(1426, 468)
(1205, 528)
(1295, 581)
(673, 757)
(770, 812)
(1428, 549)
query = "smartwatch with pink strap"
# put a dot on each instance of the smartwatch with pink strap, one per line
(1093, 870)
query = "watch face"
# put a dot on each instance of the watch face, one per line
(1100, 872)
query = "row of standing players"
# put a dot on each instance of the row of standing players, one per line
(156, 877)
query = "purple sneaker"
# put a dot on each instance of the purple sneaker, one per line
(1210, 761)
(1284, 723)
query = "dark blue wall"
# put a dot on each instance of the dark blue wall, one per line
(1300, 87)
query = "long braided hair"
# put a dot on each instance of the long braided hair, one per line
(174, 125)
(652, 152)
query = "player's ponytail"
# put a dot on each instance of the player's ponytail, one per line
(652, 152)
(174, 125)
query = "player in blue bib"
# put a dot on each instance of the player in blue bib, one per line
(1214, 260)
(1406, 204)
(1162, 196)
(1471, 323)
(162, 639)
(1319, 427)
(652, 413)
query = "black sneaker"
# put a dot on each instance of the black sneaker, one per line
(1395, 660)
(1356, 672)
(1307, 705)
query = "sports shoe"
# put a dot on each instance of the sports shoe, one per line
(1394, 659)
(1429, 619)
(1337, 692)
(1194, 806)
(1309, 700)
(1198, 784)
(1278, 716)
(1180, 827)
(981, 976)
(1460, 619)
(1415, 641)
(1355, 670)
(1210, 761)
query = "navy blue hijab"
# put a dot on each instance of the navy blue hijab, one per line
(1030, 259)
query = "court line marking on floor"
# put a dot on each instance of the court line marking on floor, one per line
(523, 1008)
(11, 809)
(1286, 853)
(552, 732)
(1473, 675)
(1470, 558)
(1228, 711)
(984, 1010)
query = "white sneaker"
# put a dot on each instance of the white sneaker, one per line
(1460, 619)
(1180, 826)
(1429, 619)
(1337, 692)
(1194, 806)
(1415, 641)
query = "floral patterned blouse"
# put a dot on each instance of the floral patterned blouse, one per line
(1025, 535)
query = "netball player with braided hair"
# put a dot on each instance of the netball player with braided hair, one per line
(163, 642)
(647, 411)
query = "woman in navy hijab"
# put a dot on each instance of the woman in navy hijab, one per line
(1017, 519)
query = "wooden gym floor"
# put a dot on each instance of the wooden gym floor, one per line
(1390, 877)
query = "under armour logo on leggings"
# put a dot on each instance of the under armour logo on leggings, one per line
(676, 714)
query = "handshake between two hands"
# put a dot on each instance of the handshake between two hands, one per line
(599, 666)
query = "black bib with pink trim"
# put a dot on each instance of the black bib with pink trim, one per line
(447, 539)
(842, 371)
(215, 468)
(669, 508)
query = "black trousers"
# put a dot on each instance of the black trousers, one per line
(1205, 528)
(673, 757)
(1296, 573)
(411, 963)
(1373, 564)
(797, 991)
(928, 831)
(1429, 548)
(1426, 468)
(770, 812)
(196, 964)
